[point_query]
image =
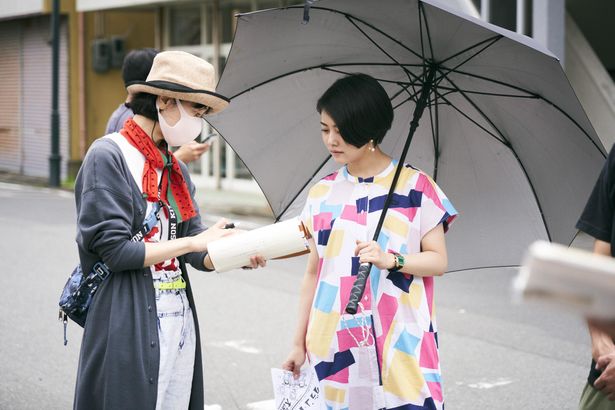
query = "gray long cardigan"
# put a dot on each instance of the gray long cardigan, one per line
(119, 359)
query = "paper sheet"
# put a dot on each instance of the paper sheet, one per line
(271, 241)
(572, 278)
(300, 394)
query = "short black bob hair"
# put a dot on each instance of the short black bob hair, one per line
(136, 65)
(144, 104)
(360, 107)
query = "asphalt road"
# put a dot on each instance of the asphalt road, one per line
(495, 354)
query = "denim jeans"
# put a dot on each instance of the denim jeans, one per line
(177, 340)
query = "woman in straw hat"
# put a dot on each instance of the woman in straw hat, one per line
(140, 347)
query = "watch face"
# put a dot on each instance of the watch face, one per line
(400, 261)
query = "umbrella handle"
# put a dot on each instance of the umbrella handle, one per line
(306, 11)
(356, 293)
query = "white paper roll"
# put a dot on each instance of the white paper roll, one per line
(572, 278)
(271, 241)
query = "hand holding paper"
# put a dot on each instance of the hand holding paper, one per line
(271, 241)
(302, 393)
(574, 278)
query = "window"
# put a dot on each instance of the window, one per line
(189, 27)
(185, 26)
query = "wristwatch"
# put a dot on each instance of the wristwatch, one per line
(399, 261)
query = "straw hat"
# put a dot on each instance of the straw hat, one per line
(177, 74)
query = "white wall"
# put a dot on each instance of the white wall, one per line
(592, 84)
(12, 8)
(92, 5)
(465, 6)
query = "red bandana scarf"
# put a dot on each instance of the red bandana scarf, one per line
(175, 194)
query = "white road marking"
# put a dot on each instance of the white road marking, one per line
(239, 345)
(490, 385)
(7, 186)
(262, 405)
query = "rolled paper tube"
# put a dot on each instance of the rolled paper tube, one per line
(573, 279)
(272, 241)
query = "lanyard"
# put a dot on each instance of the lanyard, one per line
(170, 211)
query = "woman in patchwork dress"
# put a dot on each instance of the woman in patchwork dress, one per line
(385, 356)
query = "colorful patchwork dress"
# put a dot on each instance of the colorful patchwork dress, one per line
(385, 356)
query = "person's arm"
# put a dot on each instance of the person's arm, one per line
(296, 358)
(601, 342)
(198, 260)
(603, 348)
(162, 251)
(431, 261)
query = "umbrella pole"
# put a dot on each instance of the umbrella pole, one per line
(358, 288)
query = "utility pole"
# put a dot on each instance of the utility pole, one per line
(55, 158)
(218, 146)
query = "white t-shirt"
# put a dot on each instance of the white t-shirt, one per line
(169, 269)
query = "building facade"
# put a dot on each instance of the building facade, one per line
(25, 81)
(96, 34)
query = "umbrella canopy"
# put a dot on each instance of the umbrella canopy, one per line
(502, 133)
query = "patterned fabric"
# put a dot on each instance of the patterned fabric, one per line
(386, 356)
(176, 331)
(175, 194)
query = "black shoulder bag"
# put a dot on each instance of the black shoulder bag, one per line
(79, 290)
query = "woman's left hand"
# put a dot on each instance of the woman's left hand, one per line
(372, 253)
(255, 262)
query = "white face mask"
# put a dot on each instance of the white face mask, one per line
(185, 130)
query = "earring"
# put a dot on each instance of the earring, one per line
(373, 147)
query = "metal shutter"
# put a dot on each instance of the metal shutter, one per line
(10, 148)
(36, 86)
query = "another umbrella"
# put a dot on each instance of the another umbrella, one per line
(502, 131)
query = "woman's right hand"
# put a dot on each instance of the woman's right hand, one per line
(216, 231)
(294, 361)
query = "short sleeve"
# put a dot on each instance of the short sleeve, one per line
(435, 206)
(306, 216)
(597, 217)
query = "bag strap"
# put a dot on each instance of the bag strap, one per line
(100, 270)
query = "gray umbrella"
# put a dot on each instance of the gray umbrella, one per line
(501, 130)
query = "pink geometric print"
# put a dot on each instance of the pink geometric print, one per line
(423, 185)
(345, 340)
(346, 284)
(417, 211)
(322, 221)
(340, 377)
(350, 213)
(331, 177)
(429, 352)
(435, 389)
(387, 307)
(409, 213)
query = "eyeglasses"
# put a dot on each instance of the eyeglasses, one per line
(202, 109)
(197, 109)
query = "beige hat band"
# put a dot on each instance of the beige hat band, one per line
(211, 99)
(178, 88)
